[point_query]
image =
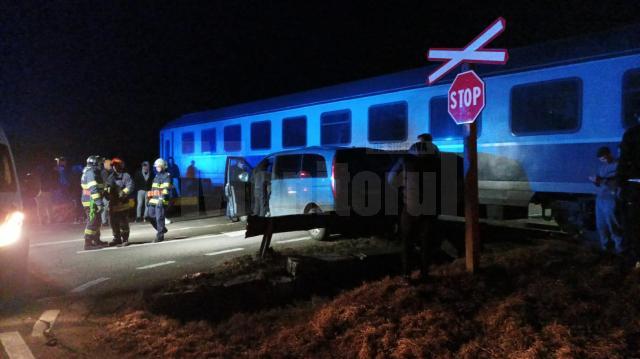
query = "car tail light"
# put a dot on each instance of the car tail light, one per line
(333, 176)
(11, 228)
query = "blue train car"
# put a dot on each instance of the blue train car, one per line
(546, 113)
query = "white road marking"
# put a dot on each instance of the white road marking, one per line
(15, 346)
(156, 265)
(197, 227)
(46, 321)
(224, 251)
(234, 234)
(292, 240)
(87, 285)
(55, 243)
(170, 241)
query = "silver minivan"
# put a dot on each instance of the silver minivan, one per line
(14, 247)
(295, 182)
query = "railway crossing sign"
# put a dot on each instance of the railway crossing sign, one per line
(474, 52)
(465, 101)
(466, 98)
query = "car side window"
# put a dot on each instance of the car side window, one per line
(314, 166)
(287, 166)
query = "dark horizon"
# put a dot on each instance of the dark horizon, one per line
(103, 78)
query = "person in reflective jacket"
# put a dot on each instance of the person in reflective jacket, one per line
(120, 187)
(92, 201)
(159, 198)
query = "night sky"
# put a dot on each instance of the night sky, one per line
(79, 78)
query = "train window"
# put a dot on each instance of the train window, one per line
(7, 180)
(388, 122)
(543, 107)
(261, 135)
(232, 138)
(314, 166)
(188, 142)
(335, 127)
(294, 131)
(441, 125)
(208, 140)
(630, 97)
(287, 166)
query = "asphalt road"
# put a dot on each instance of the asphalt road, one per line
(60, 266)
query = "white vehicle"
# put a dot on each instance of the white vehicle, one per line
(14, 247)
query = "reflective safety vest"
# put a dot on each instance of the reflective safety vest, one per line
(119, 183)
(92, 187)
(160, 189)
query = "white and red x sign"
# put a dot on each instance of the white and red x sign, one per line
(474, 52)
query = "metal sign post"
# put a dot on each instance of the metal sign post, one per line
(465, 101)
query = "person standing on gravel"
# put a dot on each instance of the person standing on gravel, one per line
(607, 220)
(629, 179)
(417, 174)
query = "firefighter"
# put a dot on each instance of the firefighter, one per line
(92, 201)
(159, 198)
(120, 187)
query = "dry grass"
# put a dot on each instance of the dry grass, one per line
(549, 299)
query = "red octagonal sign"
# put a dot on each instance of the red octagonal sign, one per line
(466, 97)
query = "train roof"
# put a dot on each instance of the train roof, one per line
(620, 42)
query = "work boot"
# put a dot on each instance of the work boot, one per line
(115, 242)
(89, 245)
(99, 243)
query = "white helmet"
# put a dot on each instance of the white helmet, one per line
(160, 163)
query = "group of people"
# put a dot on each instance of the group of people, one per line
(618, 197)
(107, 190)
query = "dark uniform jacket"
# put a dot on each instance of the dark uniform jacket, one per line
(140, 183)
(417, 173)
(92, 187)
(629, 162)
(160, 189)
(120, 188)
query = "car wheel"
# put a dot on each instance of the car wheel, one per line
(318, 234)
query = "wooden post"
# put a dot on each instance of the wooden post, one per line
(472, 227)
(266, 238)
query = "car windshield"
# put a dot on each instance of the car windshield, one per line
(7, 179)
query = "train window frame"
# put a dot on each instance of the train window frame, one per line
(386, 104)
(267, 138)
(580, 93)
(322, 126)
(212, 144)
(623, 111)
(192, 149)
(292, 119)
(226, 143)
(478, 121)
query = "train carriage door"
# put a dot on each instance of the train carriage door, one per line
(237, 187)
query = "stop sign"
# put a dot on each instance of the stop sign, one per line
(466, 97)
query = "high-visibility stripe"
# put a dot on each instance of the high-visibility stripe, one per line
(153, 201)
(90, 232)
(120, 207)
(86, 204)
(155, 185)
(96, 196)
(165, 185)
(165, 191)
(126, 190)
